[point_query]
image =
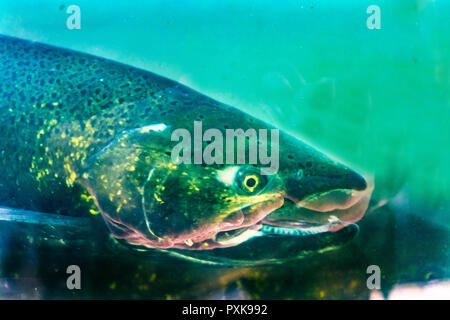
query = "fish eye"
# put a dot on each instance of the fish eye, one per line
(249, 180)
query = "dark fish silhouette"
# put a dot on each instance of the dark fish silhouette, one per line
(83, 135)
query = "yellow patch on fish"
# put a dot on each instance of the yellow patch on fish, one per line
(71, 175)
(158, 198)
(86, 198)
(40, 133)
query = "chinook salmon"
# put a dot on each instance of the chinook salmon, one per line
(85, 135)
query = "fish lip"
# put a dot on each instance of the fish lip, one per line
(349, 207)
(320, 201)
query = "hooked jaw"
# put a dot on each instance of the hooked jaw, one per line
(331, 199)
(323, 202)
(331, 204)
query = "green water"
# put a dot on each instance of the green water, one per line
(377, 99)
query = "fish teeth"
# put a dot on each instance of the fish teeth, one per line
(333, 219)
(244, 236)
(189, 242)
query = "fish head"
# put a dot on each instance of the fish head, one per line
(148, 200)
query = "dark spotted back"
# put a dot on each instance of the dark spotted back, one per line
(58, 107)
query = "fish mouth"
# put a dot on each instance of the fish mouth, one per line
(325, 211)
(238, 227)
(322, 212)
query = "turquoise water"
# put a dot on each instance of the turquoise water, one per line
(377, 99)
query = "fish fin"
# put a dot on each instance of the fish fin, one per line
(23, 224)
(25, 234)
(40, 218)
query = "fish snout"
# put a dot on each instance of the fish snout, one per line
(317, 181)
(326, 198)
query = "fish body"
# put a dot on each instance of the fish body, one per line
(84, 135)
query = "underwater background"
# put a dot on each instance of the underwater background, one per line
(377, 99)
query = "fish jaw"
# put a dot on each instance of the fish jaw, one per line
(321, 193)
(323, 211)
(237, 228)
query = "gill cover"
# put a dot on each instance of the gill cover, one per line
(116, 177)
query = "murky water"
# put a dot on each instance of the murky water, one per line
(377, 99)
